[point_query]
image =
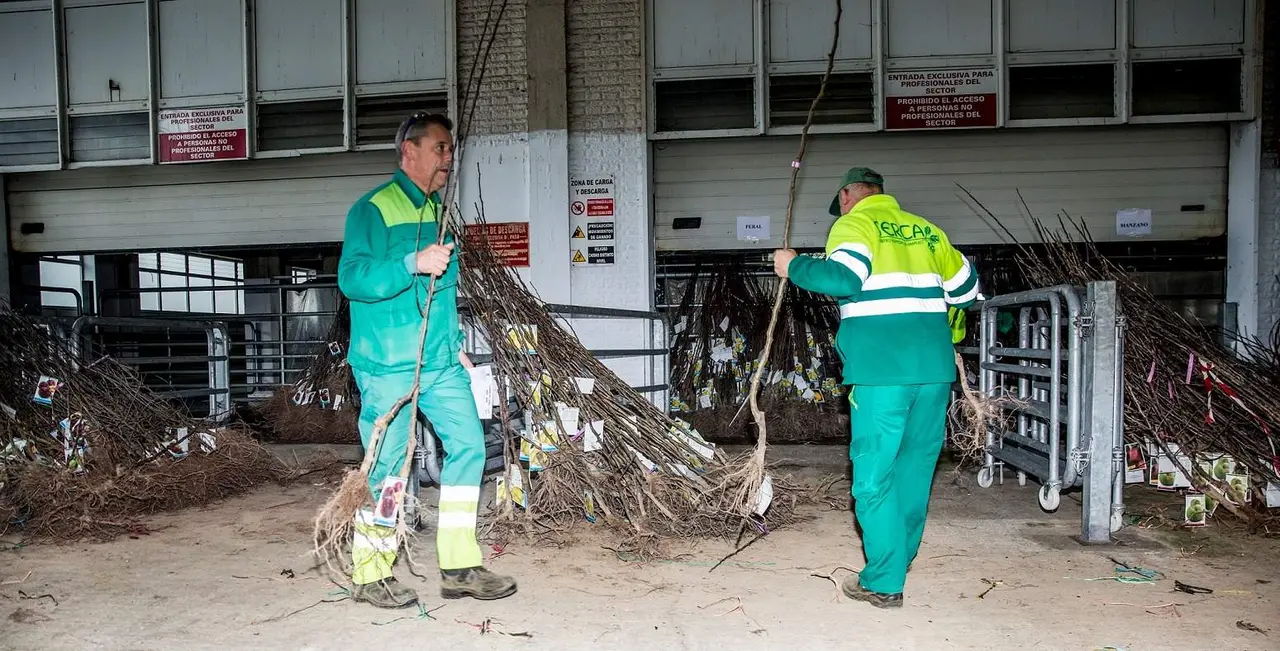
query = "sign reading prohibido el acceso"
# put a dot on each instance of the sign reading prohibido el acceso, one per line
(199, 135)
(940, 99)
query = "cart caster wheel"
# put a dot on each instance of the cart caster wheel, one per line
(1022, 478)
(1049, 498)
(986, 477)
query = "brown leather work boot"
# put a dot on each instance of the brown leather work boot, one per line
(475, 582)
(387, 593)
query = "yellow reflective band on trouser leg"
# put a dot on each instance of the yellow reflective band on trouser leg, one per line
(456, 544)
(373, 550)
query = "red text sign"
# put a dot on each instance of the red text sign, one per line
(203, 134)
(509, 241)
(941, 99)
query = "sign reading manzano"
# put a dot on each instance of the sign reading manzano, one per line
(940, 99)
(203, 134)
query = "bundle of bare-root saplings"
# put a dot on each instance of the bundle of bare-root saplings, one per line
(591, 448)
(1199, 418)
(86, 449)
(323, 404)
(718, 329)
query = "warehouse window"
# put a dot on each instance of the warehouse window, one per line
(300, 125)
(849, 99)
(62, 281)
(124, 136)
(177, 282)
(1062, 92)
(705, 104)
(377, 118)
(1186, 87)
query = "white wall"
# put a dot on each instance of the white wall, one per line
(1268, 243)
(1243, 251)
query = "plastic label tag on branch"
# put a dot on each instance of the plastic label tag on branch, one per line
(1194, 511)
(765, 495)
(484, 389)
(209, 442)
(388, 506)
(644, 461)
(524, 338)
(585, 385)
(533, 453)
(511, 487)
(568, 417)
(694, 442)
(45, 388)
(593, 436)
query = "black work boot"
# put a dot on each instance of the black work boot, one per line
(854, 590)
(475, 582)
(387, 593)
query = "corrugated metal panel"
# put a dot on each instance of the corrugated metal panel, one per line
(1088, 173)
(107, 53)
(201, 48)
(26, 48)
(237, 203)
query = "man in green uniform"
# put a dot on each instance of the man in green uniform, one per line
(389, 257)
(894, 275)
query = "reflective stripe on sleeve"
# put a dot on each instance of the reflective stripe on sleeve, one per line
(893, 306)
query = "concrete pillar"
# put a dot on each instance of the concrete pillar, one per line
(548, 152)
(1243, 191)
(5, 295)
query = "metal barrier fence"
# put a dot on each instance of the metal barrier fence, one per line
(152, 356)
(1082, 329)
(286, 323)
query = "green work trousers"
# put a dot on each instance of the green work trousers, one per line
(897, 434)
(445, 397)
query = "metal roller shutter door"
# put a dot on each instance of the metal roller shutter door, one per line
(1179, 172)
(241, 203)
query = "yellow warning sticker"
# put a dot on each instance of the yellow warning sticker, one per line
(578, 257)
(578, 234)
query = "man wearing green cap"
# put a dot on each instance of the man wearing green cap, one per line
(894, 276)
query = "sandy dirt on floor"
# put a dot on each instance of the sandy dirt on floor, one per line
(994, 572)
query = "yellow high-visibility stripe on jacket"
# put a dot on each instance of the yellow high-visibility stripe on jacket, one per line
(894, 275)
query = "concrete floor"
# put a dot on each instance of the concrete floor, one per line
(994, 572)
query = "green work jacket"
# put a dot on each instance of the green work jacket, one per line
(377, 272)
(894, 276)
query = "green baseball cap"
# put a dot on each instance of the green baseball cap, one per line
(854, 175)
